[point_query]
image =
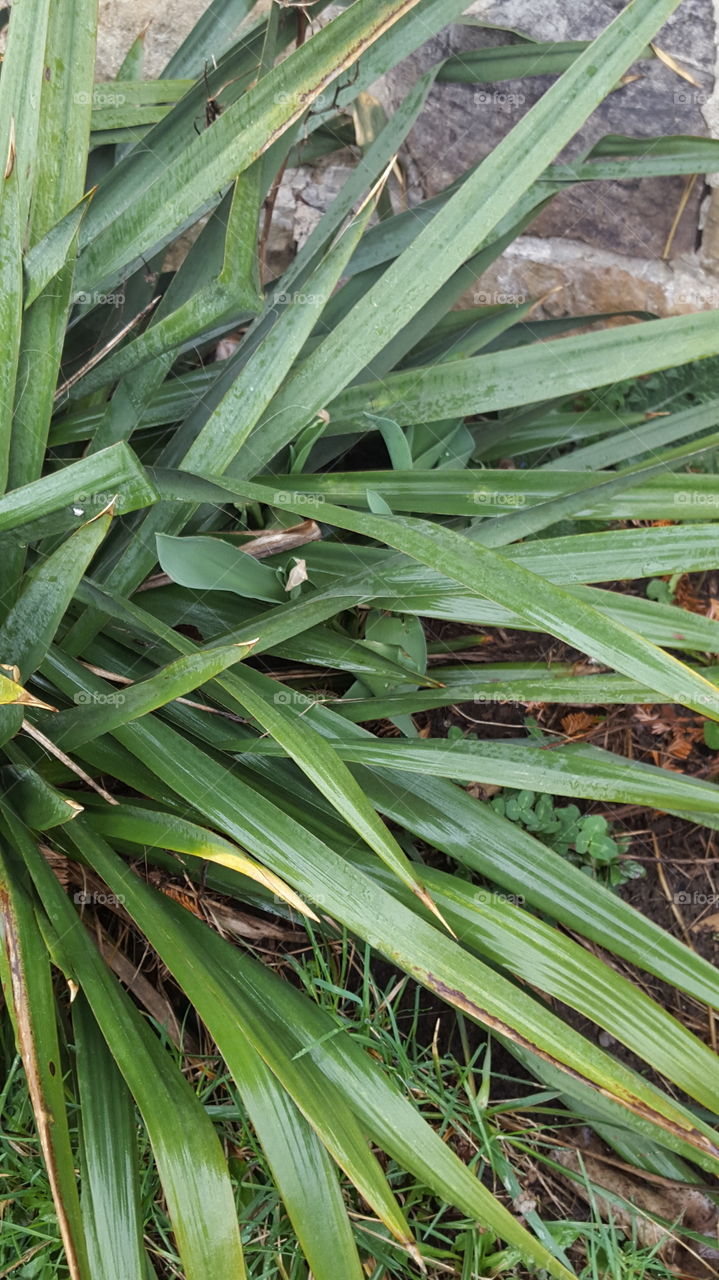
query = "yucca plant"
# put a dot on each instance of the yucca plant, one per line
(147, 730)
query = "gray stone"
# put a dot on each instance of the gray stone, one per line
(576, 279)
(710, 109)
(121, 21)
(463, 123)
(600, 246)
(302, 198)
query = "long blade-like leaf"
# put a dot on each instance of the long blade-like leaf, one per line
(188, 1154)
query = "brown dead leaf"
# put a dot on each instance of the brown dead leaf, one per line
(54, 750)
(269, 542)
(684, 740)
(688, 599)
(224, 918)
(154, 1001)
(680, 748)
(650, 718)
(586, 667)
(483, 790)
(579, 722)
(672, 1202)
(227, 346)
(710, 923)
(537, 709)
(675, 66)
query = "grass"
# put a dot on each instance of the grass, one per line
(499, 1121)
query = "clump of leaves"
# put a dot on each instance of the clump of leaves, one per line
(149, 721)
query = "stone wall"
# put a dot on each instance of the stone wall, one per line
(603, 246)
(165, 26)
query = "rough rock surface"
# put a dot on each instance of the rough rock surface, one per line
(461, 125)
(121, 21)
(631, 222)
(581, 279)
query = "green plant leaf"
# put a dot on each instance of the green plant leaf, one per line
(208, 162)
(209, 564)
(495, 577)
(575, 770)
(294, 1070)
(29, 628)
(110, 1166)
(188, 1154)
(27, 984)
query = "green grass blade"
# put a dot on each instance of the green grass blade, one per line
(495, 927)
(494, 847)
(58, 186)
(497, 849)
(195, 304)
(95, 716)
(466, 220)
(48, 256)
(640, 439)
(512, 62)
(574, 770)
(504, 682)
(20, 91)
(68, 498)
(239, 411)
(640, 162)
(185, 955)
(29, 628)
(29, 994)
(188, 1154)
(302, 1170)
(312, 868)
(240, 135)
(506, 855)
(11, 297)
(493, 576)
(294, 1070)
(573, 559)
(318, 759)
(150, 827)
(485, 383)
(235, 416)
(39, 804)
(110, 1166)
(254, 692)
(208, 36)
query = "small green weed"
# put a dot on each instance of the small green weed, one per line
(586, 839)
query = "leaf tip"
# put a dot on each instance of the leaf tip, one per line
(10, 160)
(431, 905)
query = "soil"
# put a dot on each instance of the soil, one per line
(679, 858)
